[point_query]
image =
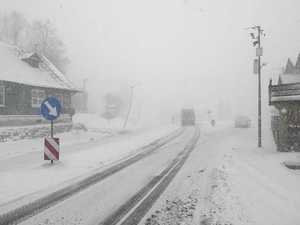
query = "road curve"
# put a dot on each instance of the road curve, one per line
(132, 211)
(25, 211)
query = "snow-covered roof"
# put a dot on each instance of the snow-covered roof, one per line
(26, 55)
(14, 69)
(289, 78)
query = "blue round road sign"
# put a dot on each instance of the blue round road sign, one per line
(50, 108)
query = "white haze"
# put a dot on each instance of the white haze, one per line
(178, 53)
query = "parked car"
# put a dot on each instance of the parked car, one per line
(242, 122)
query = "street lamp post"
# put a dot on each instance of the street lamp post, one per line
(259, 53)
(259, 89)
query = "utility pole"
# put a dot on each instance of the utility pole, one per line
(259, 89)
(259, 53)
(129, 108)
(84, 96)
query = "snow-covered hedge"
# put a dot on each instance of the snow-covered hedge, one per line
(29, 132)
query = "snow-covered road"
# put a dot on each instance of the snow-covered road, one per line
(227, 180)
(94, 204)
(23, 170)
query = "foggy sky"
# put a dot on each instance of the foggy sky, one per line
(178, 52)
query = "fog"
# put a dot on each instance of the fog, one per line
(177, 53)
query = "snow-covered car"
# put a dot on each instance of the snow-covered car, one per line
(242, 122)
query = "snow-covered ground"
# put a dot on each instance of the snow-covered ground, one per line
(94, 204)
(96, 122)
(96, 127)
(23, 170)
(228, 180)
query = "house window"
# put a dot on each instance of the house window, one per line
(37, 97)
(2, 95)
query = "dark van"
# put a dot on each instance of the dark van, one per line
(188, 117)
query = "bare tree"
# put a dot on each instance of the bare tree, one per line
(17, 26)
(37, 36)
(12, 26)
(44, 38)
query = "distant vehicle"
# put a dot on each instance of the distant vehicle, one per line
(188, 117)
(213, 122)
(242, 122)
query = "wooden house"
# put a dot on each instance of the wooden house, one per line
(26, 79)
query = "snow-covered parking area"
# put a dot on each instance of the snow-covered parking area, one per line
(227, 180)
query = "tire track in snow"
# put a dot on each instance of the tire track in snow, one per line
(24, 212)
(132, 211)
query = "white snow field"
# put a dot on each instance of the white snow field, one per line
(23, 170)
(228, 180)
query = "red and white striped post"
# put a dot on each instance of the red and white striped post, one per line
(51, 149)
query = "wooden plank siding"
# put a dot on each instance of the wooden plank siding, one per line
(18, 99)
(285, 119)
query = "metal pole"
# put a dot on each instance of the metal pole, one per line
(51, 134)
(129, 108)
(259, 91)
(51, 128)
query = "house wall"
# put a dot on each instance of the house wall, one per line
(18, 99)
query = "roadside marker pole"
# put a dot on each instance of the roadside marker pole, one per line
(51, 149)
(50, 110)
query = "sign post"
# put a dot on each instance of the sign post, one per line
(50, 110)
(51, 128)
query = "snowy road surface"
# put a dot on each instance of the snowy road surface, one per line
(95, 203)
(24, 171)
(226, 180)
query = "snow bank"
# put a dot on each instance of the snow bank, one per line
(97, 123)
(250, 185)
(32, 131)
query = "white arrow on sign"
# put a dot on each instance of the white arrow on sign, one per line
(52, 110)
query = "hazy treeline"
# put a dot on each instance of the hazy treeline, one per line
(37, 35)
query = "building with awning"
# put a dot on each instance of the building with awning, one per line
(285, 99)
